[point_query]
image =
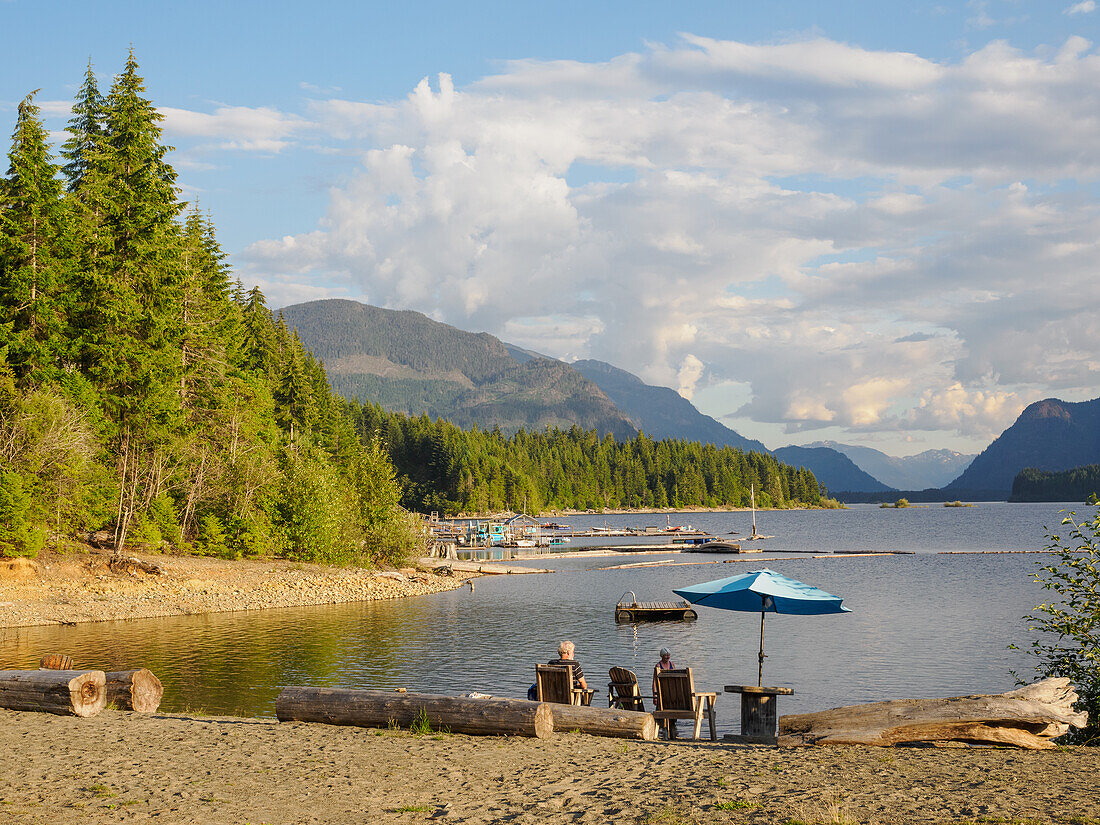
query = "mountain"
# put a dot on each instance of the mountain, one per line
(832, 468)
(660, 411)
(1049, 435)
(932, 468)
(409, 363)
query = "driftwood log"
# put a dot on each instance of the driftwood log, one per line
(1028, 718)
(619, 724)
(138, 690)
(64, 692)
(379, 709)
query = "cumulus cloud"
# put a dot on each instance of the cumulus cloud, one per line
(872, 240)
(1084, 7)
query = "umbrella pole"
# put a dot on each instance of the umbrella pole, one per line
(760, 672)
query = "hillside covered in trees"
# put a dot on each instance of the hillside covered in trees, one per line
(141, 392)
(451, 470)
(145, 394)
(1068, 485)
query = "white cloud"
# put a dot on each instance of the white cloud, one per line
(1084, 7)
(873, 240)
(236, 127)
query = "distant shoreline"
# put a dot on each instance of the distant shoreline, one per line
(77, 587)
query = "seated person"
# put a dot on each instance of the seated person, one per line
(664, 664)
(565, 657)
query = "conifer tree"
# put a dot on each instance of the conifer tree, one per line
(32, 272)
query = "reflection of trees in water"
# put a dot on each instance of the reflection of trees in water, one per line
(236, 663)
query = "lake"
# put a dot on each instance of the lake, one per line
(929, 624)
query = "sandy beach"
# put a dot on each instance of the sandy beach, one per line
(127, 768)
(82, 585)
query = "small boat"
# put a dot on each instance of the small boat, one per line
(632, 611)
(714, 546)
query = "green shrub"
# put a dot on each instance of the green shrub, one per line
(19, 535)
(1068, 626)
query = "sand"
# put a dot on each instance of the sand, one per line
(121, 767)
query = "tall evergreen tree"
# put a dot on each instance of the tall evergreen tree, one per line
(32, 268)
(84, 148)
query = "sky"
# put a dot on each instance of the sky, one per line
(870, 222)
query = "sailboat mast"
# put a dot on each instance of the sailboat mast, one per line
(752, 499)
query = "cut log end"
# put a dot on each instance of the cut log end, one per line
(137, 690)
(64, 692)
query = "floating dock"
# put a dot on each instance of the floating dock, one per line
(629, 612)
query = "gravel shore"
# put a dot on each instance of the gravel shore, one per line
(127, 768)
(84, 586)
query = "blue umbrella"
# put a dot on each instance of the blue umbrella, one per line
(765, 591)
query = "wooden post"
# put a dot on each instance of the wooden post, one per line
(64, 692)
(138, 690)
(619, 724)
(379, 708)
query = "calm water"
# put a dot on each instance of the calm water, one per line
(927, 624)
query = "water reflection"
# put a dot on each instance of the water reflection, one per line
(922, 625)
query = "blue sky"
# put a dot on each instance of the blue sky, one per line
(873, 222)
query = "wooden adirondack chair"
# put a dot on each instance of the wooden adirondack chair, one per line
(623, 691)
(554, 683)
(677, 699)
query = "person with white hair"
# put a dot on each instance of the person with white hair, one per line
(566, 651)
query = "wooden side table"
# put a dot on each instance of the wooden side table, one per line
(758, 716)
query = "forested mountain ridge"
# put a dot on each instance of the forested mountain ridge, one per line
(661, 412)
(833, 469)
(141, 391)
(1049, 435)
(451, 470)
(409, 363)
(1076, 484)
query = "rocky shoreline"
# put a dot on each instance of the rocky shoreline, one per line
(87, 585)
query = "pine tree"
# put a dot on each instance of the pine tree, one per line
(83, 151)
(32, 268)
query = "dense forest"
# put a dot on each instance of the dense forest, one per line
(1068, 485)
(142, 392)
(145, 395)
(450, 470)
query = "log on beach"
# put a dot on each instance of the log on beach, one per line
(379, 709)
(1027, 718)
(138, 690)
(64, 692)
(618, 724)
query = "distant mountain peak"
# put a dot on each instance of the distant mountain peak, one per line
(409, 363)
(1050, 435)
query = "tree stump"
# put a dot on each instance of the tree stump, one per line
(56, 661)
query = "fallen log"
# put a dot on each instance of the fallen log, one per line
(1027, 718)
(64, 692)
(618, 724)
(379, 709)
(138, 690)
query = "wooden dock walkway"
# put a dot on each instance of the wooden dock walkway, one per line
(627, 612)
